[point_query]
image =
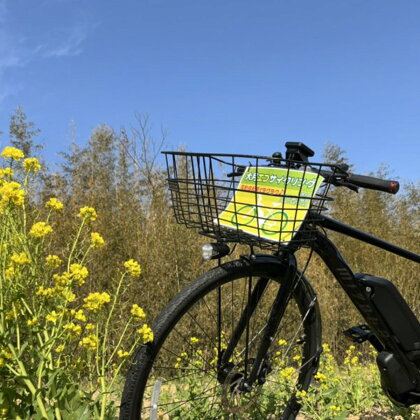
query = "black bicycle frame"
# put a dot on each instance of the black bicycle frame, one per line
(340, 227)
(358, 291)
(288, 281)
(353, 284)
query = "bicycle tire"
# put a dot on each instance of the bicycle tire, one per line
(145, 362)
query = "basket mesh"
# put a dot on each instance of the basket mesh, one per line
(261, 201)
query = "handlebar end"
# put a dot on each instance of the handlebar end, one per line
(394, 187)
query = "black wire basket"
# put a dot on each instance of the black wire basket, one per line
(255, 200)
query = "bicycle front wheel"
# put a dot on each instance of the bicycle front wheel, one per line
(179, 375)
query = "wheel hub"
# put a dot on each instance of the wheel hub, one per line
(238, 396)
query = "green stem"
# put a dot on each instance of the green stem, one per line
(119, 343)
(85, 255)
(103, 399)
(17, 327)
(11, 369)
(108, 321)
(29, 383)
(104, 342)
(48, 216)
(16, 234)
(75, 244)
(136, 343)
(23, 205)
(57, 414)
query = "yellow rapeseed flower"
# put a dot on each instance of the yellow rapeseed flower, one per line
(96, 240)
(133, 268)
(79, 315)
(6, 173)
(146, 332)
(32, 322)
(73, 329)
(282, 342)
(20, 259)
(52, 317)
(287, 372)
(354, 360)
(40, 229)
(95, 301)
(53, 261)
(12, 153)
(12, 192)
(320, 377)
(54, 204)
(31, 164)
(6, 353)
(69, 296)
(41, 291)
(194, 340)
(123, 354)
(62, 280)
(10, 272)
(90, 342)
(79, 273)
(90, 326)
(137, 312)
(59, 349)
(301, 394)
(88, 213)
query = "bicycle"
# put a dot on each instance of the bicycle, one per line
(245, 338)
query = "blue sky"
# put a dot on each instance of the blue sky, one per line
(223, 76)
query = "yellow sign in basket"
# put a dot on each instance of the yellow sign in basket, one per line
(271, 203)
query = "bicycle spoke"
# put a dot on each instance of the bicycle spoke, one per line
(178, 355)
(299, 328)
(190, 400)
(210, 312)
(247, 325)
(192, 347)
(202, 329)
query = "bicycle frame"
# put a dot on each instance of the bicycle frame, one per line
(360, 291)
(406, 375)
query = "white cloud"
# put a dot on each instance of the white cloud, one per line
(70, 44)
(16, 50)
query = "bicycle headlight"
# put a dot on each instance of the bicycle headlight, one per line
(212, 251)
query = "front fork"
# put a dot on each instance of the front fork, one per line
(288, 282)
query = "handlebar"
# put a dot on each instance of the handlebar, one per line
(341, 177)
(353, 181)
(373, 183)
(301, 152)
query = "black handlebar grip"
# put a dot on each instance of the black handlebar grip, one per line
(373, 183)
